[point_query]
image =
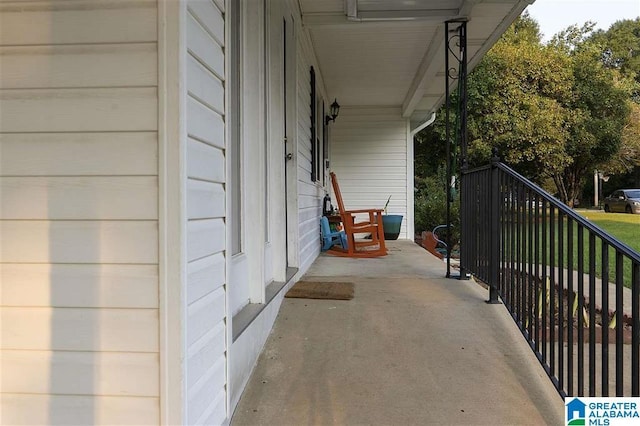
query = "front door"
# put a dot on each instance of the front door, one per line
(281, 141)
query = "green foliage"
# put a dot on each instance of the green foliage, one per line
(553, 111)
(430, 148)
(620, 46)
(431, 206)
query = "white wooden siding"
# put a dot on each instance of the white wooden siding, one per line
(206, 316)
(94, 154)
(82, 110)
(78, 212)
(310, 194)
(369, 157)
(110, 374)
(114, 197)
(109, 65)
(71, 285)
(43, 409)
(83, 22)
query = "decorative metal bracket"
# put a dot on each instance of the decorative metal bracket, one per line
(456, 144)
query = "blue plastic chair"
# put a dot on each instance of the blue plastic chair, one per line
(329, 238)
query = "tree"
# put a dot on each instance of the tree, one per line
(628, 156)
(553, 111)
(599, 110)
(620, 46)
(516, 100)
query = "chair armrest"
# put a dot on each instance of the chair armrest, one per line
(363, 211)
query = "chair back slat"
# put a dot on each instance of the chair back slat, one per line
(336, 191)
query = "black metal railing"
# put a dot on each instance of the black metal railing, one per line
(572, 289)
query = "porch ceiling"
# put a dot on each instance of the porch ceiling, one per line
(391, 52)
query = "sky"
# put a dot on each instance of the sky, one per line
(555, 15)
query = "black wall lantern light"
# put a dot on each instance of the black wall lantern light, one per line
(335, 110)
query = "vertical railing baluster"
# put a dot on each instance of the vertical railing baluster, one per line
(494, 232)
(522, 269)
(516, 307)
(503, 235)
(544, 281)
(537, 281)
(635, 330)
(552, 290)
(468, 253)
(570, 299)
(619, 324)
(592, 314)
(513, 247)
(488, 211)
(604, 347)
(473, 222)
(580, 310)
(560, 268)
(480, 201)
(530, 278)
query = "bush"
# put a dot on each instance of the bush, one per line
(431, 208)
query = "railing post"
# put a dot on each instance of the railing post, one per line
(464, 222)
(494, 229)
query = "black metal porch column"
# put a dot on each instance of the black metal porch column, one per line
(456, 47)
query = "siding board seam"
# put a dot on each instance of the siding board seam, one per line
(197, 346)
(195, 55)
(17, 89)
(83, 395)
(89, 43)
(79, 131)
(200, 219)
(208, 336)
(197, 179)
(77, 263)
(77, 351)
(201, 62)
(195, 259)
(75, 176)
(196, 98)
(78, 307)
(196, 18)
(198, 303)
(79, 220)
(196, 138)
(210, 409)
(208, 373)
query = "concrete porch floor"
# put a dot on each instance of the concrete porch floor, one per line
(412, 347)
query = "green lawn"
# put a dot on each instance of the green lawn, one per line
(624, 227)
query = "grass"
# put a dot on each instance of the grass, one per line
(624, 227)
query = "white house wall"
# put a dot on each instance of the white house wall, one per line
(114, 266)
(372, 156)
(310, 193)
(244, 351)
(206, 324)
(79, 213)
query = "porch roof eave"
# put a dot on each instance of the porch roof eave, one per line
(396, 57)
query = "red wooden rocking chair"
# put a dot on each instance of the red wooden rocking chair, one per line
(361, 248)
